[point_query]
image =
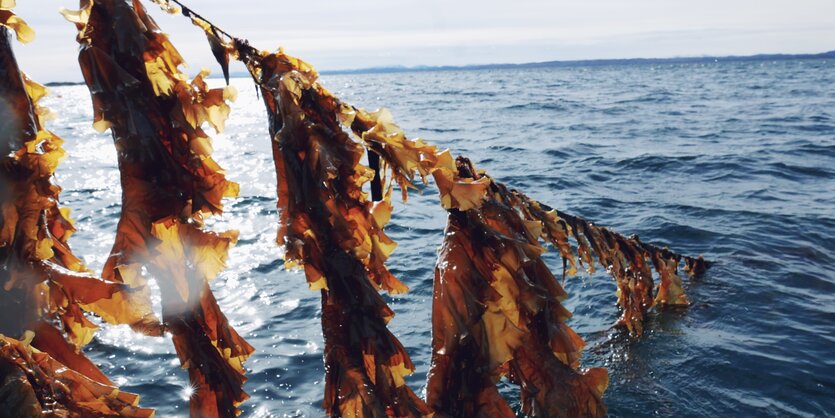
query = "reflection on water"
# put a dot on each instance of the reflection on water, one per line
(735, 161)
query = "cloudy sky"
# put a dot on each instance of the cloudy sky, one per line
(350, 34)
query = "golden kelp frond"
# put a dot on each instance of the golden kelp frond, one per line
(167, 6)
(24, 33)
(68, 292)
(220, 48)
(406, 158)
(170, 183)
(35, 384)
(328, 224)
(148, 61)
(206, 344)
(213, 353)
(40, 271)
(552, 389)
(44, 285)
(410, 157)
(365, 364)
(497, 312)
(628, 259)
(337, 177)
(357, 219)
(465, 362)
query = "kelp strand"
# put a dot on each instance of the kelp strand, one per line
(45, 289)
(505, 322)
(627, 259)
(170, 184)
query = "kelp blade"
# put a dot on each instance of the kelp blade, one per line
(497, 313)
(170, 184)
(44, 288)
(335, 232)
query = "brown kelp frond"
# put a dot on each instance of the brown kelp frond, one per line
(39, 266)
(328, 224)
(206, 344)
(170, 184)
(497, 312)
(358, 224)
(35, 384)
(629, 260)
(365, 364)
(148, 62)
(549, 388)
(408, 158)
(44, 287)
(298, 105)
(497, 308)
(465, 361)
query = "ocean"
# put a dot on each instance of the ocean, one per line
(731, 160)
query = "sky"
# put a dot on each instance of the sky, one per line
(352, 34)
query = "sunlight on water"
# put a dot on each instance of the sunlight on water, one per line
(123, 337)
(187, 392)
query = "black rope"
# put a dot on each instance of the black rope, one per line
(187, 12)
(377, 183)
(564, 267)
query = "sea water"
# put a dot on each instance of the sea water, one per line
(731, 160)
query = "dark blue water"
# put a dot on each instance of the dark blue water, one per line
(735, 161)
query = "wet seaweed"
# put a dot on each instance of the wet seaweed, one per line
(170, 185)
(45, 289)
(497, 309)
(496, 313)
(330, 227)
(505, 318)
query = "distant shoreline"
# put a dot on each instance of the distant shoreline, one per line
(546, 64)
(63, 83)
(588, 63)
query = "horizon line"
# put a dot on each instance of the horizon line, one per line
(549, 63)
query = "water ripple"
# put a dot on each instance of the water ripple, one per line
(732, 160)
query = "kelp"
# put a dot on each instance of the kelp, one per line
(324, 218)
(329, 226)
(496, 309)
(170, 184)
(45, 289)
(536, 358)
(496, 313)
(33, 384)
(627, 259)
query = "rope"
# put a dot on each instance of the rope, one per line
(188, 12)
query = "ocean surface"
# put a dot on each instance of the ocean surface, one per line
(734, 161)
